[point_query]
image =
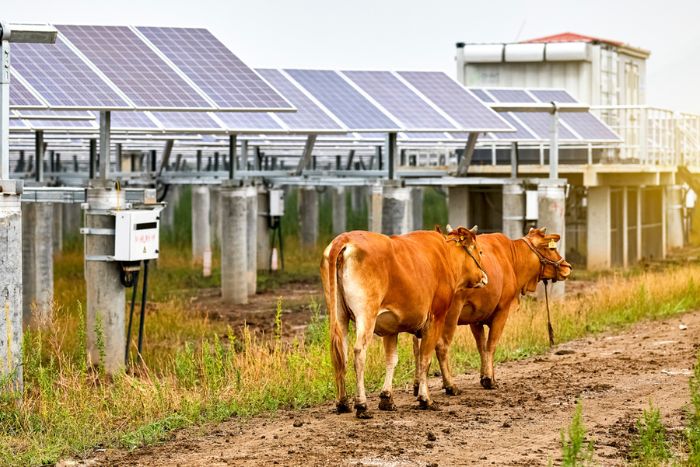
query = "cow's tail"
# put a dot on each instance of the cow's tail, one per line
(338, 318)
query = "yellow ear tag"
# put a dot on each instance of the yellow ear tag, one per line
(461, 237)
(552, 245)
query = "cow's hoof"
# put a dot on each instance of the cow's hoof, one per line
(386, 402)
(452, 391)
(488, 383)
(343, 407)
(362, 413)
(425, 405)
(415, 389)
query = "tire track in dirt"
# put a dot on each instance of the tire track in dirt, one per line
(519, 423)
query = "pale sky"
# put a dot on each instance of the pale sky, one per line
(407, 34)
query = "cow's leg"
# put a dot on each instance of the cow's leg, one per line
(364, 335)
(488, 379)
(427, 347)
(342, 404)
(416, 357)
(442, 352)
(391, 354)
(480, 338)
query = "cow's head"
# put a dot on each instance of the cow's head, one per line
(551, 264)
(465, 239)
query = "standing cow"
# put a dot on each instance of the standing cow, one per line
(513, 267)
(389, 285)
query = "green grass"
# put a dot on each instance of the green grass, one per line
(693, 430)
(651, 447)
(575, 449)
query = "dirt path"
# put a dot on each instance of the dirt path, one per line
(517, 424)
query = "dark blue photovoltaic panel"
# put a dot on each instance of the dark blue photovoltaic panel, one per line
(20, 96)
(214, 68)
(248, 121)
(356, 112)
(308, 114)
(186, 120)
(399, 100)
(481, 94)
(520, 133)
(455, 100)
(549, 95)
(586, 125)
(508, 96)
(130, 64)
(541, 124)
(61, 77)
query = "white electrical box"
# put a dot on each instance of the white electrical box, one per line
(136, 234)
(276, 203)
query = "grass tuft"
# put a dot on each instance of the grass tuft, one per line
(575, 450)
(651, 448)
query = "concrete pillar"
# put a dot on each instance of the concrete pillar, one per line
(10, 291)
(72, 220)
(339, 211)
(551, 207)
(262, 238)
(167, 215)
(599, 224)
(308, 216)
(376, 201)
(201, 229)
(458, 206)
(57, 227)
(234, 257)
(105, 293)
(251, 240)
(513, 210)
(37, 263)
(215, 214)
(417, 208)
(397, 211)
(674, 216)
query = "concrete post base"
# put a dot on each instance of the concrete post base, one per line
(308, 216)
(397, 211)
(375, 209)
(513, 210)
(11, 287)
(339, 210)
(105, 294)
(262, 238)
(251, 240)
(234, 259)
(37, 262)
(598, 231)
(201, 229)
(552, 211)
(417, 208)
(674, 217)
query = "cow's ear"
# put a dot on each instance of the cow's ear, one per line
(543, 230)
(448, 228)
(474, 229)
(438, 229)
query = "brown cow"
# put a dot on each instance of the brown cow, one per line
(389, 285)
(513, 267)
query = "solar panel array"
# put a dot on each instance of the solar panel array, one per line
(117, 67)
(574, 126)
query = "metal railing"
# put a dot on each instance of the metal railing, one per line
(653, 136)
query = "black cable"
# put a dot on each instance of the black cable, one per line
(131, 316)
(144, 291)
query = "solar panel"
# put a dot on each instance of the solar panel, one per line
(510, 95)
(16, 123)
(520, 134)
(549, 95)
(136, 69)
(186, 120)
(61, 77)
(132, 121)
(62, 124)
(588, 126)
(399, 100)
(456, 101)
(481, 94)
(353, 109)
(248, 121)
(541, 124)
(308, 114)
(20, 96)
(215, 69)
(426, 135)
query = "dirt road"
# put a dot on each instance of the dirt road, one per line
(517, 424)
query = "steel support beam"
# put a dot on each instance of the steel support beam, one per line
(306, 155)
(105, 143)
(232, 156)
(39, 156)
(554, 144)
(466, 161)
